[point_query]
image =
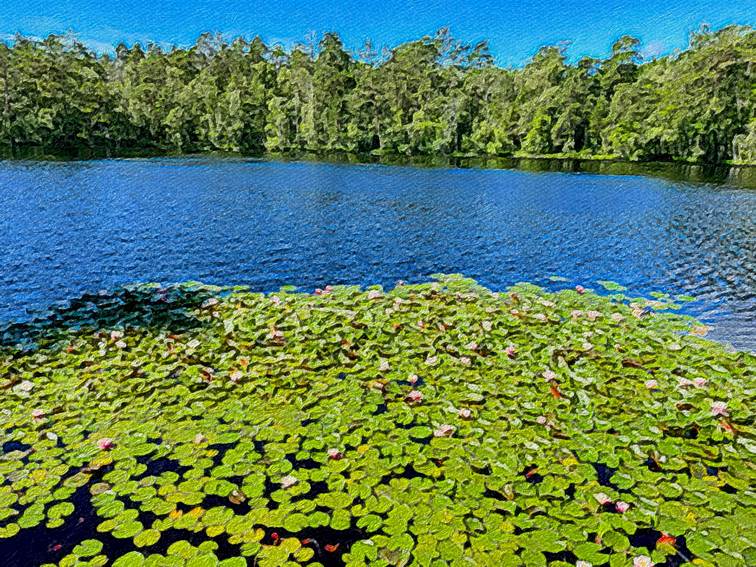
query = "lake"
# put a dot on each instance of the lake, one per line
(71, 227)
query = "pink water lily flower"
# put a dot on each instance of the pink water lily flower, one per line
(593, 315)
(550, 375)
(541, 317)
(700, 382)
(642, 561)
(719, 408)
(275, 300)
(431, 360)
(510, 351)
(415, 396)
(472, 346)
(236, 375)
(374, 294)
(621, 506)
(464, 413)
(38, 413)
(541, 420)
(465, 360)
(105, 444)
(617, 317)
(684, 382)
(288, 481)
(652, 384)
(335, 454)
(444, 430)
(413, 378)
(580, 289)
(602, 498)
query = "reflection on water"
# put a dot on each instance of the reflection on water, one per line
(71, 227)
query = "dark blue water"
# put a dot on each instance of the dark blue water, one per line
(67, 228)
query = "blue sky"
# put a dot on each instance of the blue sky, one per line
(515, 28)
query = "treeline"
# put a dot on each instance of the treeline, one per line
(437, 95)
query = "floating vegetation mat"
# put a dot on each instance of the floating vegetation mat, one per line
(435, 424)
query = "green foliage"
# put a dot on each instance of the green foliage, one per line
(227, 417)
(433, 96)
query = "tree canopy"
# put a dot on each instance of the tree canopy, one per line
(436, 95)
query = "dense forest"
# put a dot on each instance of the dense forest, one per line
(437, 95)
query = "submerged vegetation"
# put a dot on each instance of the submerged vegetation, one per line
(432, 96)
(432, 424)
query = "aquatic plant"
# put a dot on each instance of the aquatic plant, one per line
(431, 424)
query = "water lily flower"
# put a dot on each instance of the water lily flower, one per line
(464, 413)
(444, 430)
(373, 294)
(593, 315)
(602, 498)
(472, 346)
(288, 481)
(319, 291)
(541, 317)
(385, 366)
(209, 302)
(510, 351)
(550, 375)
(194, 343)
(621, 506)
(576, 313)
(699, 382)
(487, 325)
(541, 420)
(465, 360)
(431, 360)
(115, 335)
(275, 300)
(335, 454)
(587, 346)
(121, 344)
(719, 408)
(651, 384)
(26, 386)
(617, 317)
(421, 324)
(547, 303)
(236, 375)
(642, 561)
(105, 444)
(580, 289)
(581, 563)
(684, 382)
(38, 413)
(413, 378)
(415, 396)
(199, 439)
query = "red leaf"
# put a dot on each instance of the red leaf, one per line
(330, 548)
(555, 391)
(666, 538)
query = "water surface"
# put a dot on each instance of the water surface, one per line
(71, 227)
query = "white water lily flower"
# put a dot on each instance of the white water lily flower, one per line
(541, 420)
(651, 384)
(444, 430)
(464, 413)
(550, 375)
(582, 563)
(465, 360)
(617, 317)
(700, 382)
(26, 386)
(642, 561)
(487, 325)
(121, 344)
(719, 408)
(115, 335)
(236, 375)
(374, 294)
(275, 300)
(209, 302)
(413, 378)
(385, 366)
(288, 481)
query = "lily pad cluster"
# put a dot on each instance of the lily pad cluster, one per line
(433, 424)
